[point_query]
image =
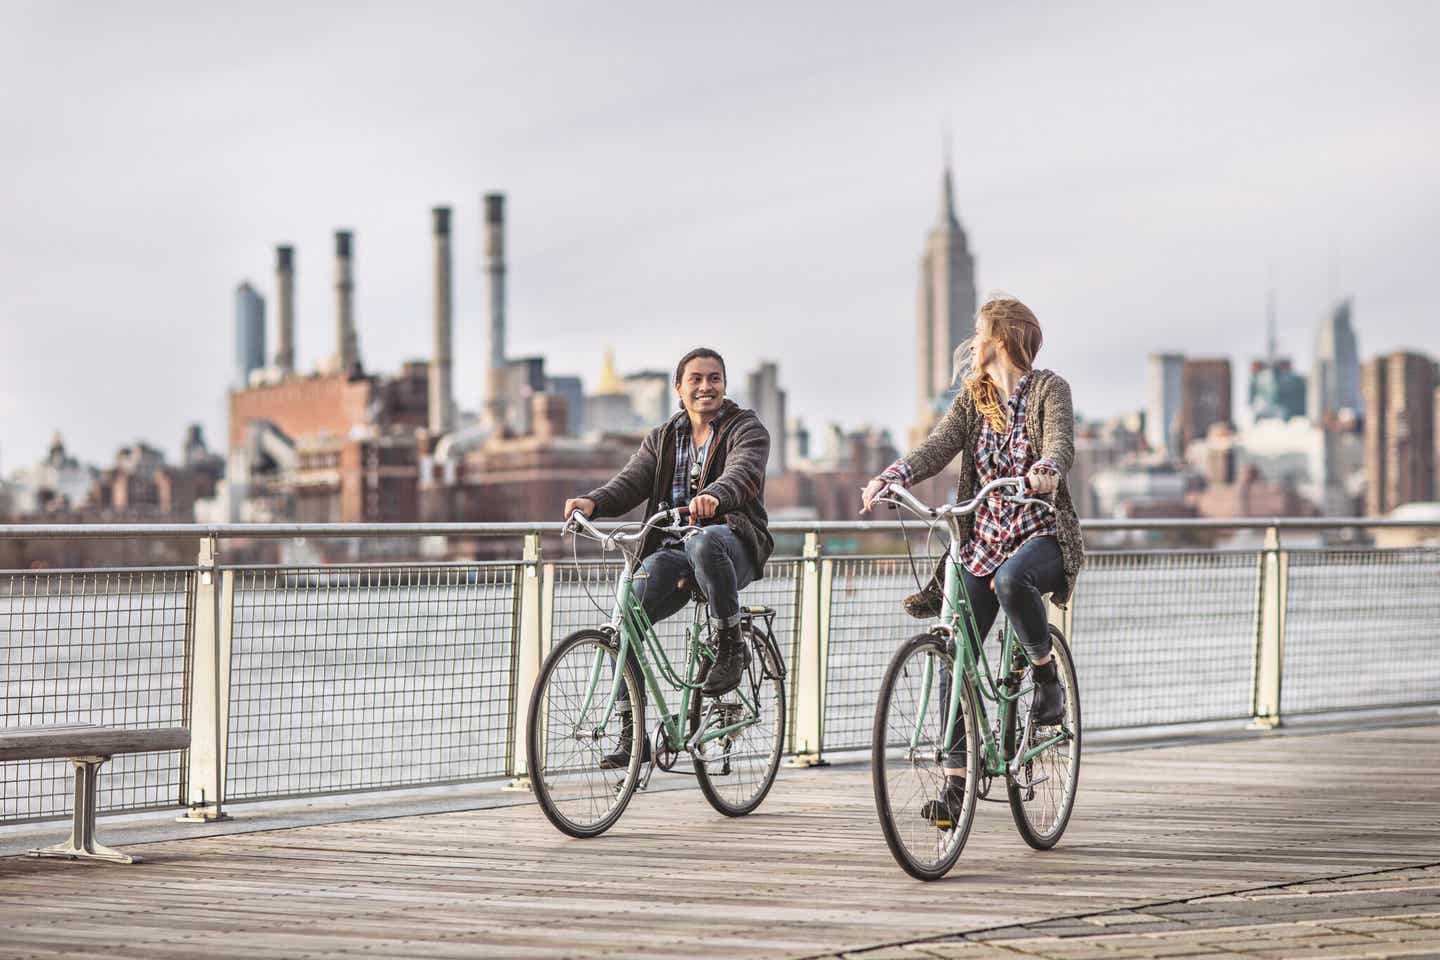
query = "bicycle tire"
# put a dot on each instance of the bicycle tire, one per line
(538, 743)
(907, 832)
(1022, 799)
(762, 677)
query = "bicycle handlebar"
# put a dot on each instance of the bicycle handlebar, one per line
(895, 494)
(578, 521)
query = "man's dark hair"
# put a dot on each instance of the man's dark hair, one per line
(699, 353)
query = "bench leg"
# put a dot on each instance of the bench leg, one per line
(82, 844)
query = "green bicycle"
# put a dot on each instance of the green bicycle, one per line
(934, 697)
(578, 716)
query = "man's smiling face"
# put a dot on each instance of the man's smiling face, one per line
(702, 386)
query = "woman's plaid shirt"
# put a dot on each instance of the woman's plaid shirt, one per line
(1001, 527)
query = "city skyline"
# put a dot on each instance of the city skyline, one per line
(136, 208)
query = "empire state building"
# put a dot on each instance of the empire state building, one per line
(945, 311)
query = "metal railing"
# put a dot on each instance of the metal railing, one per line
(300, 680)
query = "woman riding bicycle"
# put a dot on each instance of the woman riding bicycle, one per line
(1012, 420)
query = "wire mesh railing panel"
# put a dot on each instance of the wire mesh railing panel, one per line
(1162, 638)
(1361, 630)
(584, 596)
(100, 647)
(866, 623)
(362, 678)
(780, 589)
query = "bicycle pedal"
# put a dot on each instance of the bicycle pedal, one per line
(937, 814)
(1033, 783)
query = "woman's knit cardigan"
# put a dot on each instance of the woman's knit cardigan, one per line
(1050, 425)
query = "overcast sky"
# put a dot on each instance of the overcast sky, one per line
(755, 177)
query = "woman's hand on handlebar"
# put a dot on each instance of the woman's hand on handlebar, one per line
(1042, 481)
(871, 490)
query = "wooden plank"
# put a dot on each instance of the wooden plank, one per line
(87, 740)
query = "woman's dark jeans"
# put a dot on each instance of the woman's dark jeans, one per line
(1018, 586)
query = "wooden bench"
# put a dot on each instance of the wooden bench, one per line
(88, 747)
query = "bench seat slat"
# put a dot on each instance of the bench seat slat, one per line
(75, 740)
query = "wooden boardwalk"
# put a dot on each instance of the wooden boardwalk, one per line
(809, 875)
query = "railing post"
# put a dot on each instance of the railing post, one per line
(1269, 648)
(537, 593)
(209, 687)
(814, 637)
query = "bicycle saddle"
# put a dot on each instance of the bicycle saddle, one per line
(696, 593)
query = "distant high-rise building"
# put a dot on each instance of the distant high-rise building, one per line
(797, 441)
(574, 393)
(945, 309)
(652, 395)
(1162, 411)
(1335, 379)
(1400, 397)
(768, 401)
(1204, 397)
(524, 377)
(249, 333)
(1277, 392)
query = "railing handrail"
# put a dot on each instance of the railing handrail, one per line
(287, 531)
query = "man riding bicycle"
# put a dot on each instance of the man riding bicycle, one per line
(710, 457)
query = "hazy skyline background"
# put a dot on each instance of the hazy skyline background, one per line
(756, 178)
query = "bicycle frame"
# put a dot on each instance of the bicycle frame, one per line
(971, 662)
(957, 620)
(632, 627)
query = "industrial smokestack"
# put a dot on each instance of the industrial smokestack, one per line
(285, 308)
(442, 416)
(495, 269)
(346, 343)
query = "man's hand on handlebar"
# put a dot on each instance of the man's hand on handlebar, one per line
(586, 507)
(704, 507)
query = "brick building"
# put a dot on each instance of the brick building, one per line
(1400, 394)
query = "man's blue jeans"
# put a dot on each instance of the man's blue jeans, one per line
(715, 559)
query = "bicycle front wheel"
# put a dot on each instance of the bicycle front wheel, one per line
(736, 770)
(568, 734)
(907, 759)
(1042, 793)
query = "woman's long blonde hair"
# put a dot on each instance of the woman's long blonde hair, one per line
(1006, 321)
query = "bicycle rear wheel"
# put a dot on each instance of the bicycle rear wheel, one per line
(738, 770)
(1042, 796)
(906, 758)
(567, 735)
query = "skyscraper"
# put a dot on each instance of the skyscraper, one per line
(1204, 397)
(249, 333)
(945, 309)
(1335, 379)
(1400, 399)
(1162, 409)
(768, 401)
(1277, 392)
